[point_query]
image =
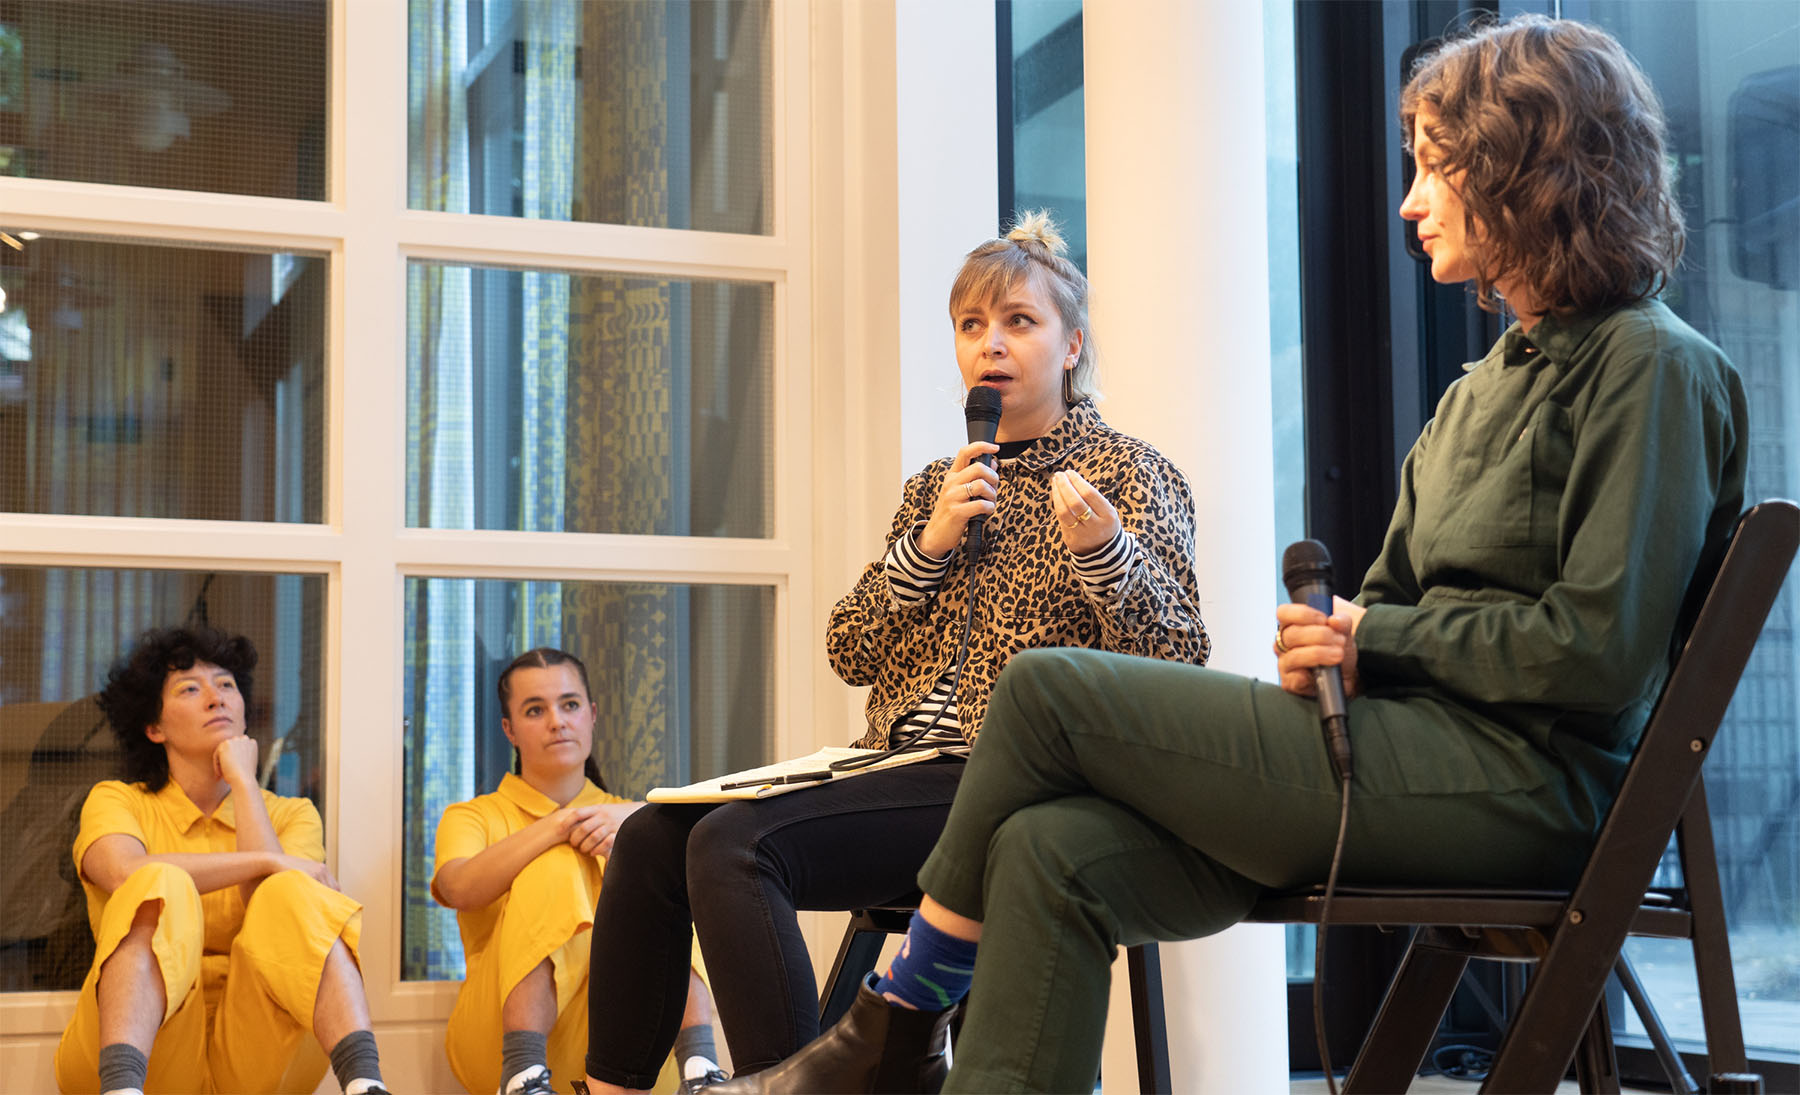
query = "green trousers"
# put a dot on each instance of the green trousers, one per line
(1115, 800)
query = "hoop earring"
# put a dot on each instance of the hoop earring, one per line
(1068, 387)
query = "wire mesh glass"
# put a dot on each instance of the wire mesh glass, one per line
(61, 629)
(620, 113)
(682, 680)
(546, 401)
(151, 380)
(221, 97)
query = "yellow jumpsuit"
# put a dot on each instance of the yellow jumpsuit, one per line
(554, 897)
(240, 982)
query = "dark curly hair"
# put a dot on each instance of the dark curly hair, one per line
(544, 657)
(132, 698)
(1553, 138)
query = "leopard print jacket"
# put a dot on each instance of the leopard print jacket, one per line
(1027, 594)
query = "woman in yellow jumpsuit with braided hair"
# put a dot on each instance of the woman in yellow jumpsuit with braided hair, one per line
(522, 868)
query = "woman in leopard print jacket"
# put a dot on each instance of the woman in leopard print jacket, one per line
(1088, 542)
(1028, 585)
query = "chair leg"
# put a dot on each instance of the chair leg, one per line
(1712, 946)
(1681, 1082)
(1409, 1016)
(1596, 1066)
(856, 956)
(1148, 1020)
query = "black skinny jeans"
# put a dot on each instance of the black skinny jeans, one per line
(736, 873)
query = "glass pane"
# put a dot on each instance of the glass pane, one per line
(621, 113)
(1729, 82)
(1048, 142)
(158, 381)
(1285, 362)
(682, 677)
(220, 97)
(545, 401)
(60, 631)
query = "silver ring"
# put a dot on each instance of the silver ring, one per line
(969, 489)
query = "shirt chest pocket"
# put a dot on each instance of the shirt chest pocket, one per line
(1513, 502)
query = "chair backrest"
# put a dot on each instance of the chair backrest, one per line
(1665, 770)
(1666, 765)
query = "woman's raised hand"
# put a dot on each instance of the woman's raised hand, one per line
(1306, 638)
(969, 489)
(1087, 520)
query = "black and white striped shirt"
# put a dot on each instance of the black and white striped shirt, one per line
(914, 577)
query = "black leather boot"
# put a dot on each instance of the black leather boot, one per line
(875, 1047)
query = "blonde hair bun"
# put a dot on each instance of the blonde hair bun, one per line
(1037, 227)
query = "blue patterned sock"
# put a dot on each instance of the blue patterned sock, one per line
(932, 970)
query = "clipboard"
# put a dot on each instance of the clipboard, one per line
(764, 782)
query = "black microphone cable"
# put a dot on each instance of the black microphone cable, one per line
(1306, 571)
(1337, 858)
(904, 744)
(981, 416)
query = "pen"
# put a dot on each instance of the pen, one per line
(776, 781)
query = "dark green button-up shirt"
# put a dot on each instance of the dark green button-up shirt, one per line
(1550, 519)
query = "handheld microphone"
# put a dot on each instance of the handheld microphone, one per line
(981, 411)
(1306, 571)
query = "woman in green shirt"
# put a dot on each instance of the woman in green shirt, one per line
(1501, 657)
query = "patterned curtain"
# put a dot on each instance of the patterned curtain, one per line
(621, 408)
(551, 32)
(440, 646)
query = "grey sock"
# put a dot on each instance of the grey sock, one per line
(121, 1066)
(694, 1041)
(519, 1050)
(354, 1058)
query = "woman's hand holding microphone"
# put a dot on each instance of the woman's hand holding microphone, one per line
(1087, 520)
(969, 489)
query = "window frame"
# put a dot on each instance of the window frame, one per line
(362, 547)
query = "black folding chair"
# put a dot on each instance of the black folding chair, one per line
(1576, 937)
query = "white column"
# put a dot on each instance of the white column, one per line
(949, 178)
(1177, 253)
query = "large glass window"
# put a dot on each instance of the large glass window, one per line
(545, 401)
(146, 380)
(1730, 84)
(681, 678)
(1383, 342)
(60, 631)
(621, 113)
(1043, 117)
(166, 93)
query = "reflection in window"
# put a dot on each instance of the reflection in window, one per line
(60, 631)
(157, 381)
(228, 98)
(683, 686)
(544, 401)
(620, 113)
(1729, 83)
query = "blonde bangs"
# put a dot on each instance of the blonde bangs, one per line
(989, 277)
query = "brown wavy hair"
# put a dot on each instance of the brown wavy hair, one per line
(1554, 138)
